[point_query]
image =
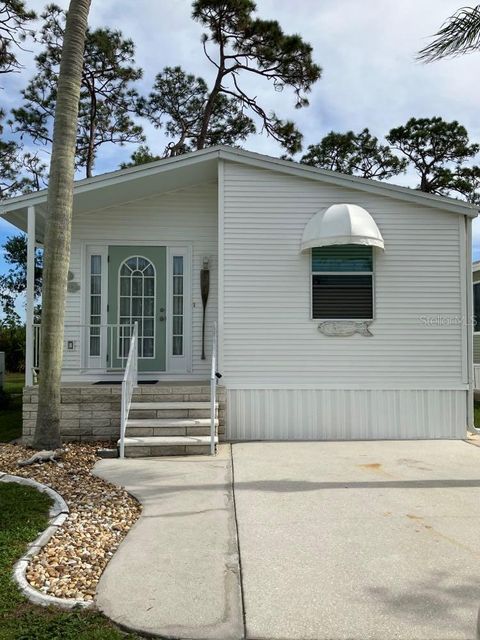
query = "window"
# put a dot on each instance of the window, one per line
(476, 307)
(342, 282)
(95, 303)
(178, 303)
(137, 304)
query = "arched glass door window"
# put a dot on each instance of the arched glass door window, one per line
(137, 285)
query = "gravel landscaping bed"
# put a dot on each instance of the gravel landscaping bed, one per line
(71, 563)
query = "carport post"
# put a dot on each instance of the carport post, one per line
(30, 297)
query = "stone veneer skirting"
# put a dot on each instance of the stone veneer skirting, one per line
(91, 413)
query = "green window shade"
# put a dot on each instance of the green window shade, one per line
(348, 257)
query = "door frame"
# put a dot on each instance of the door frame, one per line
(173, 364)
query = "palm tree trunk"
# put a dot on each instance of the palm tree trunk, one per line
(59, 223)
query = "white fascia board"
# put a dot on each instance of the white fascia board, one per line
(28, 200)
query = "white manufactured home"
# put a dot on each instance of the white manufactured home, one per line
(342, 305)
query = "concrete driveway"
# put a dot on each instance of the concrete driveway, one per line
(336, 540)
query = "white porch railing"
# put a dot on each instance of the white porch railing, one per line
(129, 382)
(214, 376)
(36, 351)
(95, 347)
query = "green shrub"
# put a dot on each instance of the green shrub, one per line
(12, 342)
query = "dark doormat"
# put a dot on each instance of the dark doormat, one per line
(120, 382)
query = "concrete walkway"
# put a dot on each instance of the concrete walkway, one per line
(337, 541)
(177, 572)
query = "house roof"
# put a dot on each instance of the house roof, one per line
(196, 167)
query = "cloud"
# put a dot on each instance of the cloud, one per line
(366, 49)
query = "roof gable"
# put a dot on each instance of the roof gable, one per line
(202, 165)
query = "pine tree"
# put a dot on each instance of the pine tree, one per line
(14, 30)
(437, 150)
(239, 45)
(177, 103)
(358, 154)
(107, 98)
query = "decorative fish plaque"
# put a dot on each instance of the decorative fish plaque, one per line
(343, 329)
(72, 287)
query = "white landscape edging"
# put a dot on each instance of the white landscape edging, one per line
(58, 514)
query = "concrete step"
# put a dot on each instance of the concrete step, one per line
(168, 414)
(141, 447)
(187, 404)
(171, 397)
(167, 431)
(169, 427)
(170, 422)
(168, 441)
(168, 388)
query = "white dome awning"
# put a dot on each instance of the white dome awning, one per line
(342, 224)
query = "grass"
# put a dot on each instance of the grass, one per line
(11, 417)
(23, 514)
(14, 383)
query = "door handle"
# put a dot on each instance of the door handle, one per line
(161, 318)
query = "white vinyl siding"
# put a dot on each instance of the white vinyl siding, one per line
(74, 311)
(268, 336)
(186, 217)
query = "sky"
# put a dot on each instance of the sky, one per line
(366, 49)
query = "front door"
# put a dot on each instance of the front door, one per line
(137, 293)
